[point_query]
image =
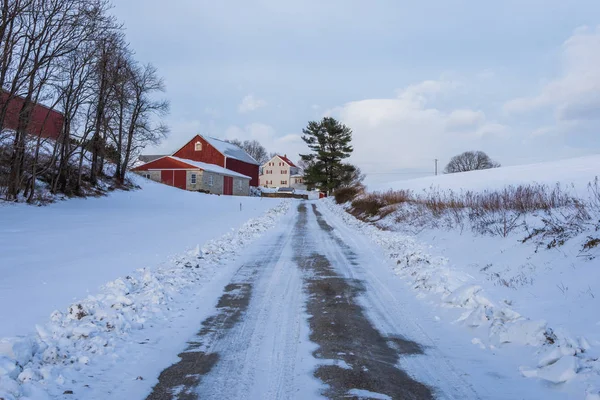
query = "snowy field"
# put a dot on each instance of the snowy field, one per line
(510, 293)
(64, 251)
(575, 172)
(87, 280)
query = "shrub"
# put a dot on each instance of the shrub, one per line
(348, 193)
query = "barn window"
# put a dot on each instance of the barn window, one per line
(211, 180)
(198, 146)
(193, 179)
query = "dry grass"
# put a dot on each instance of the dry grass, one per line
(368, 205)
(379, 203)
(521, 199)
(490, 212)
(346, 194)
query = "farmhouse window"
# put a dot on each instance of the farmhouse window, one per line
(198, 146)
(193, 179)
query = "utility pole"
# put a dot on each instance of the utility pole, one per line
(436, 160)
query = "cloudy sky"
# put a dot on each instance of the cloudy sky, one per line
(416, 81)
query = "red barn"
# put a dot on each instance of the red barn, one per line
(195, 176)
(44, 122)
(218, 152)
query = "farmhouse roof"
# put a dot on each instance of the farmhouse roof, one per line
(287, 160)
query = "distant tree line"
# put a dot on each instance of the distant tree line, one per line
(72, 56)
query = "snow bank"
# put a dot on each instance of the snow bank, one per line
(92, 327)
(561, 357)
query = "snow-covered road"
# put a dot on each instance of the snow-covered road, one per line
(313, 311)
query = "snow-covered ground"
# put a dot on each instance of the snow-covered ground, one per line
(510, 293)
(155, 242)
(64, 251)
(133, 276)
(577, 172)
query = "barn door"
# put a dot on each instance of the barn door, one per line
(227, 185)
(167, 177)
(180, 179)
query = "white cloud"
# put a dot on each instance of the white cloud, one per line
(409, 131)
(421, 93)
(575, 92)
(465, 119)
(251, 103)
(585, 108)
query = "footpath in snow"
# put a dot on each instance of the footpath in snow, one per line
(56, 261)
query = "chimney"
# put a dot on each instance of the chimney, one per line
(285, 155)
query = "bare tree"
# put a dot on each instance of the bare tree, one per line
(470, 161)
(108, 46)
(143, 129)
(36, 36)
(304, 164)
(253, 148)
(73, 91)
(71, 55)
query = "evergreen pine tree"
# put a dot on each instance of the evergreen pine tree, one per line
(329, 141)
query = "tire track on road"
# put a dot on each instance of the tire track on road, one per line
(358, 360)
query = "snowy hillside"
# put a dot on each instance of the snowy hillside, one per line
(65, 251)
(575, 171)
(521, 275)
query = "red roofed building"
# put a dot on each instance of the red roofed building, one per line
(224, 154)
(205, 164)
(280, 171)
(195, 176)
(44, 122)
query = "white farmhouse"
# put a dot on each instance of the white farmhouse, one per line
(280, 171)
